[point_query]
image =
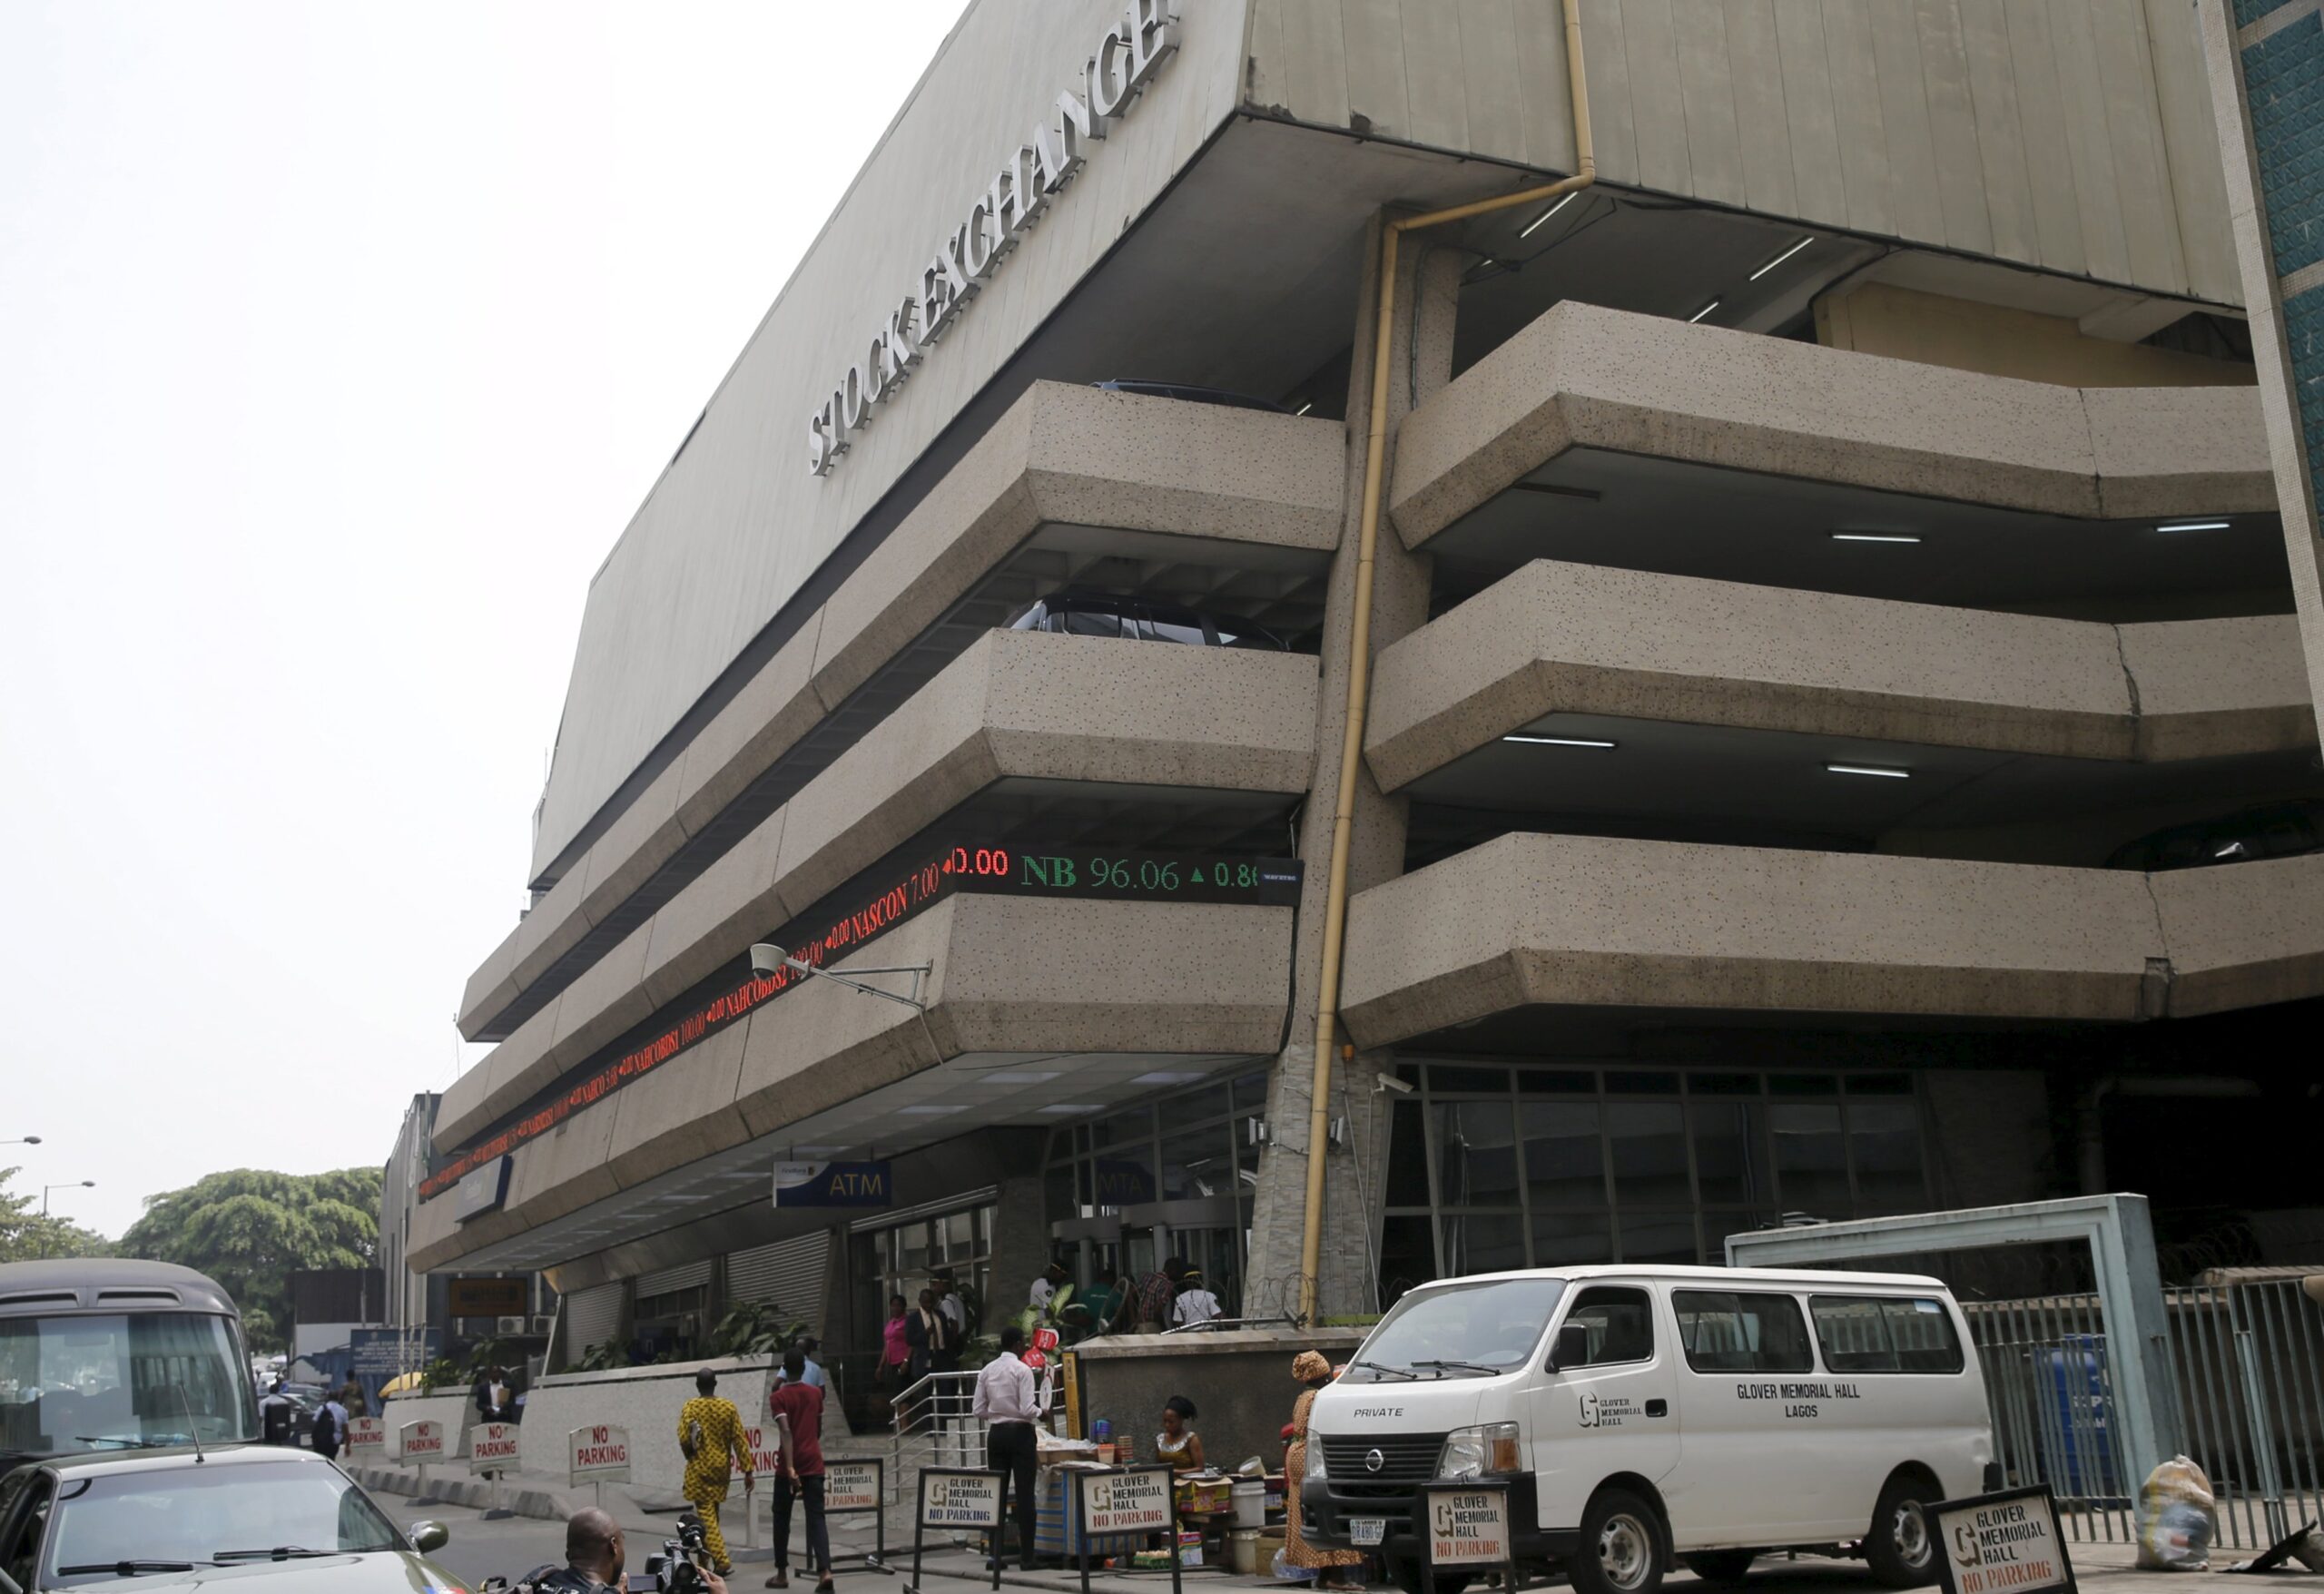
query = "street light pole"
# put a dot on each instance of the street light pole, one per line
(67, 1185)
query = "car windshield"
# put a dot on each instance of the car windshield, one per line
(126, 1380)
(1459, 1330)
(200, 1513)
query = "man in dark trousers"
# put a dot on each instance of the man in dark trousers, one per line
(797, 1408)
(1010, 1399)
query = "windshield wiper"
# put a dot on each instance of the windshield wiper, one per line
(1403, 1372)
(127, 1569)
(1444, 1367)
(279, 1553)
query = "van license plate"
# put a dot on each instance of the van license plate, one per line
(1367, 1531)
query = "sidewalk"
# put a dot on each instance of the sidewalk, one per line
(650, 1515)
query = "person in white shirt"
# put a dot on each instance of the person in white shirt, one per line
(1195, 1303)
(1045, 1288)
(1009, 1398)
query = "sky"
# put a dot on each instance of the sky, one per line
(338, 343)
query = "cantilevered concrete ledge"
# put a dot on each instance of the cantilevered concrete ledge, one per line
(1600, 922)
(1585, 376)
(1562, 638)
(1012, 975)
(1062, 455)
(1017, 704)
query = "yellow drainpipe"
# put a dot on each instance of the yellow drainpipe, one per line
(1359, 674)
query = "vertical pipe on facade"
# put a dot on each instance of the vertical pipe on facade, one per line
(1359, 676)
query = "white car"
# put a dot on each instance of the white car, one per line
(1635, 1415)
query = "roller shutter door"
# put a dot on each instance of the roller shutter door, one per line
(670, 1280)
(591, 1318)
(789, 1273)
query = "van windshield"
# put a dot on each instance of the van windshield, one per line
(1459, 1330)
(126, 1380)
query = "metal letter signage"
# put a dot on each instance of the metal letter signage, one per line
(2005, 1543)
(1127, 58)
(833, 1183)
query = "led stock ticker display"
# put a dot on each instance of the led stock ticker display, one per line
(1059, 874)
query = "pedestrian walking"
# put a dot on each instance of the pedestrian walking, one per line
(710, 1435)
(330, 1429)
(1155, 1293)
(956, 1321)
(351, 1396)
(275, 1416)
(1312, 1372)
(797, 1408)
(1009, 1400)
(895, 1346)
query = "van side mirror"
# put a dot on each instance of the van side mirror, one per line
(1571, 1348)
(428, 1536)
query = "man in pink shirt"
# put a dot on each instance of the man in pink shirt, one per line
(797, 1408)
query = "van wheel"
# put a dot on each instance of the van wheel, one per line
(1411, 1575)
(1720, 1566)
(1622, 1546)
(1898, 1548)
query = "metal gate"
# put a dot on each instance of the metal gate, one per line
(2247, 1360)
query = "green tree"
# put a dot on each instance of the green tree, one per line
(250, 1229)
(25, 1235)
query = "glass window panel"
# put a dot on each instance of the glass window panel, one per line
(1896, 1084)
(1485, 1241)
(1469, 1079)
(1803, 1084)
(1187, 1105)
(1648, 1143)
(1476, 1154)
(1406, 1179)
(1853, 1334)
(913, 1239)
(1726, 1331)
(1718, 1226)
(1884, 1138)
(1810, 1160)
(1571, 1239)
(1659, 1236)
(960, 1236)
(1564, 1164)
(1407, 1254)
(1135, 1125)
(1557, 1081)
(1081, 621)
(1635, 1084)
(1731, 1151)
(1926, 1340)
(1251, 1092)
(1197, 1166)
(1059, 1200)
(1621, 1324)
(1177, 631)
(1723, 1083)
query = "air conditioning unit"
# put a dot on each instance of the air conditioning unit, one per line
(510, 1324)
(543, 1324)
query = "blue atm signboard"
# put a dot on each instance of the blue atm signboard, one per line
(834, 1184)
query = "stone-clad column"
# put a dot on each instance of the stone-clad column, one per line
(1421, 362)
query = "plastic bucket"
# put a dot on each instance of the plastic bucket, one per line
(1251, 1505)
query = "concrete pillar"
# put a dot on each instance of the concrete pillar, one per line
(1421, 359)
(1020, 1238)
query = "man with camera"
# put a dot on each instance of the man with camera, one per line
(595, 1556)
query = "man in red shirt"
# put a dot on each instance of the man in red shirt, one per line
(798, 1410)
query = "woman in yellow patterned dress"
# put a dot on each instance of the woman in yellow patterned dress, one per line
(710, 1432)
(1314, 1372)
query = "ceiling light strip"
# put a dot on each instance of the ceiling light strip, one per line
(1535, 224)
(1558, 740)
(1779, 259)
(1869, 769)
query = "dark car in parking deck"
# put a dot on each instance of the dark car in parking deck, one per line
(1098, 614)
(2280, 830)
(255, 1516)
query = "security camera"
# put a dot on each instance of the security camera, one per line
(766, 958)
(1390, 1082)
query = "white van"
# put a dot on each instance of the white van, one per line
(1640, 1413)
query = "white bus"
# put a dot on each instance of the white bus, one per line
(1640, 1414)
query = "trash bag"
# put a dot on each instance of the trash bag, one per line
(2177, 1518)
(1284, 1572)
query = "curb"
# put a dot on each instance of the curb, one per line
(476, 1493)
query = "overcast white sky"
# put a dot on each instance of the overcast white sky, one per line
(337, 345)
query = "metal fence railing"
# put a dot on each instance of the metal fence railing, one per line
(2247, 1367)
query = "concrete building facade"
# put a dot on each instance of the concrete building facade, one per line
(1827, 580)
